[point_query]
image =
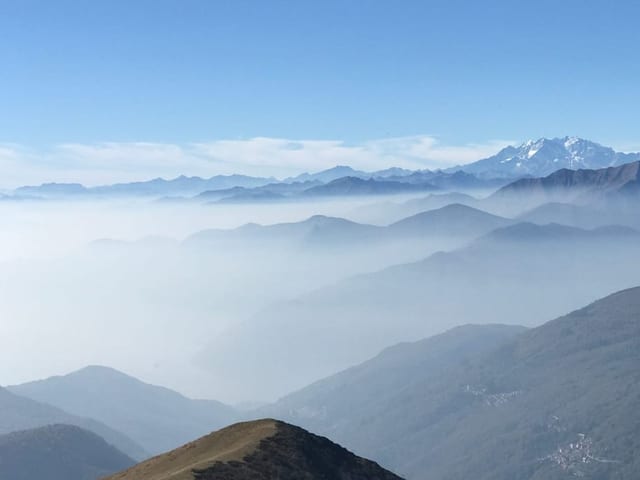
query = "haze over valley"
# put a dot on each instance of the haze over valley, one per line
(330, 240)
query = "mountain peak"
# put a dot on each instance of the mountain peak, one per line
(339, 168)
(100, 371)
(541, 157)
(257, 450)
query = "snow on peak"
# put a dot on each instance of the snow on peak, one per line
(571, 141)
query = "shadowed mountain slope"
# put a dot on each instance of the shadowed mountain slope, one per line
(570, 186)
(335, 405)
(258, 450)
(58, 452)
(555, 402)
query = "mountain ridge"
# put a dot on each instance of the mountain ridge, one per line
(497, 414)
(258, 450)
(144, 412)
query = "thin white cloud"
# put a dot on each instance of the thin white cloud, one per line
(110, 162)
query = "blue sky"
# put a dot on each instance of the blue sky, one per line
(184, 73)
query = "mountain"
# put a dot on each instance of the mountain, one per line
(253, 197)
(389, 212)
(329, 175)
(258, 450)
(582, 216)
(555, 402)
(271, 191)
(449, 180)
(340, 171)
(395, 172)
(335, 405)
(51, 190)
(487, 281)
(181, 185)
(392, 180)
(574, 185)
(347, 186)
(505, 395)
(450, 221)
(21, 413)
(58, 452)
(318, 230)
(155, 417)
(544, 156)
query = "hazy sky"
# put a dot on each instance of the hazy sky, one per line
(106, 90)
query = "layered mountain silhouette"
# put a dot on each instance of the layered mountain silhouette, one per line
(494, 403)
(531, 159)
(317, 230)
(240, 194)
(21, 413)
(331, 174)
(58, 452)
(486, 281)
(453, 220)
(348, 186)
(450, 222)
(181, 185)
(582, 216)
(157, 418)
(388, 211)
(583, 186)
(258, 450)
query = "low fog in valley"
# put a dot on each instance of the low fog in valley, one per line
(249, 301)
(117, 282)
(331, 240)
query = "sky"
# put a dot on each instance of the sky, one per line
(115, 90)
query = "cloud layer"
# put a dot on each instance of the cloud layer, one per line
(111, 162)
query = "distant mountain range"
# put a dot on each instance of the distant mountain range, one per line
(157, 187)
(493, 402)
(58, 452)
(155, 417)
(258, 450)
(318, 230)
(341, 171)
(532, 159)
(452, 222)
(347, 186)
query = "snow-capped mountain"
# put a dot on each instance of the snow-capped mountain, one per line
(542, 157)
